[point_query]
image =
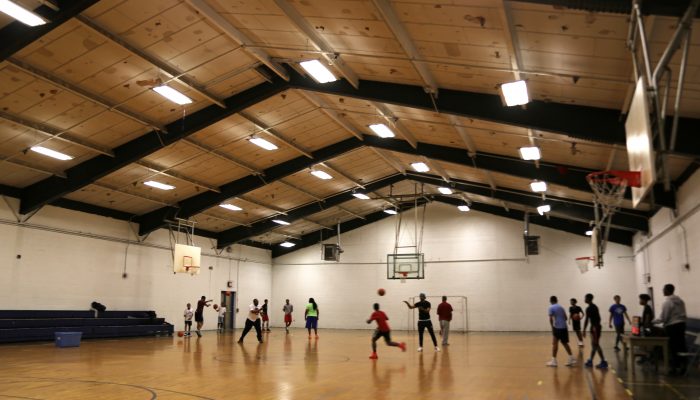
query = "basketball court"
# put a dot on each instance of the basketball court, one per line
(162, 159)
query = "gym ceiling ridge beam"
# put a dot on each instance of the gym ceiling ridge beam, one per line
(78, 176)
(239, 233)
(200, 202)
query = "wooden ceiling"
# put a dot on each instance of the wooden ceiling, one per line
(84, 89)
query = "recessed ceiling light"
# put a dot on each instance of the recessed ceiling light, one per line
(420, 167)
(230, 207)
(280, 221)
(589, 233)
(158, 185)
(361, 196)
(260, 142)
(390, 211)
(530, 153)
(515, 93)
(445, 190)
(463, 208)
(287, 244)
(538, 186)
(321, 174)
(51, 153)
(318, 71)
(172, 95)
(544, 209)
(20, 14)
(382, 130)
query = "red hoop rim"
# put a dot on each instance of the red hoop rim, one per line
(633, 178)
(583, 258)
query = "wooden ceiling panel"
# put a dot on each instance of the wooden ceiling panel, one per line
(319, 187)
(382, 69)
(224, 132)
(173, 155)
(281, 108)
(130, 175)
(555, 20)
(121, 201)
(258, 157)
(210, 223)
(249, 213)
(312, 131)
(363, 165)
(210, 169)
(279, 196)
(17, 176)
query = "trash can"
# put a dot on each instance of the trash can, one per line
(68, 339)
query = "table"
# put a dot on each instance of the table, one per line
(631, 341)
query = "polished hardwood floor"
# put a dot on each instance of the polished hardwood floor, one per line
(290, 366)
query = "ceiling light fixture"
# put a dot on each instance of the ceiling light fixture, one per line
(158, 185)
(51, 153)
(530, 153)
(280, 221)
(361, 196)
(260, 142)
(321, 174)
(544, 208)
(382, 131)
(172, 95)
(515, 93)
(20, 13)
(287, 244)
(589, 233)
(420, 167)
(390, 211)
(538, 186)
(445, 190)
(463, 208)
(318, 71)
(230, 207)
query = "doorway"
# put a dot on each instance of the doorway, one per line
(228, 300)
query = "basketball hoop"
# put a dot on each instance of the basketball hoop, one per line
(609, 187)
(191, 269)
(584, 263)
(403, 276)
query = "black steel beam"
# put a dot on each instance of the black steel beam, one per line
(239, 233)
(581, 122)
(667, 8)
(568, 209)
(15, 36)
(92, 209)
(10, 191)
(196, 204)
(566, 225)
(50, 189)
(687, 173)
(313, 238)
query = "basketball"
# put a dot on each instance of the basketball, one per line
(576, 317)
(180, 333)
(381, 292)
(216, 306)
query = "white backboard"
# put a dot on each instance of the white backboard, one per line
(640, 145)
(181, 252)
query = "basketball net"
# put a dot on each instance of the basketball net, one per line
(609, 188)
(403, 277)
(584, 263)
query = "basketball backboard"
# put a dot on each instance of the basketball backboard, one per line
(186, 259)
(640, 144)
(405, 266)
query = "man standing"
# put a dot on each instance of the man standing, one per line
(593, 316)
(673, 318)
(560, 333)
(188, 319)
(265, 317)
(424, 322)
(199, 313)
(575, 315)
(287, 309)
(253, 320)
(646, 324)
(444, 312)
(222, 317)
(618, 313)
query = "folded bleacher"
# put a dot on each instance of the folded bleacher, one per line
(32, 325)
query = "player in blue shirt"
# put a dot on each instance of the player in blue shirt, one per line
(618, 313)
(560, 333)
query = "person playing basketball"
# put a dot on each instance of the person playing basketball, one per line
(253, 320)
(424, 322)
(576, 315)
(311, 317)
(593, 316)
(265, 317)
(199, 313)
(557, 320)
(618, 313)
(287, 309)
(222, 317)
(188, 319)
(382, 330)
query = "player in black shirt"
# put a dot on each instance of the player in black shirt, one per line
(647, 315)
(424, 322)
(593, 316)
(575, 315)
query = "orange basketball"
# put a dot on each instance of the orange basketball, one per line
(180, 333)
(576, 317)
(216, 306)
(381, 292)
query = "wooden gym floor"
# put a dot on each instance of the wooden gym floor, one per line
(474, 366)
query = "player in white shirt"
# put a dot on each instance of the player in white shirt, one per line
(222, 316)
(188, 319)
(253, 320)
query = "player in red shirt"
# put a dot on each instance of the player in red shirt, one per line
(382, 330)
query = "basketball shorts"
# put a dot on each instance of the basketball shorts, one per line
(221, 320)
(199, 317)
(288, 318)
(379, 334)
(188, 323)
(265, 318)
(595, 333)
(620, 329)
(311, 322)
(576, 324)
(561, 334)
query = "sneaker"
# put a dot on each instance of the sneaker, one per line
(199, 333)
(316, 336)
(552, 363)
(588, 364)
(373, 356)
(402, 346)
(580, 344)
(571, 362)
(240, 341)
(420, 349)
(602, 365)
(437, 348)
